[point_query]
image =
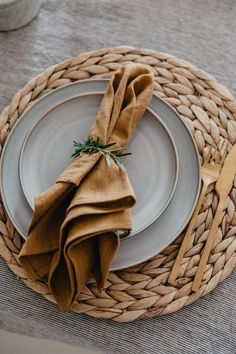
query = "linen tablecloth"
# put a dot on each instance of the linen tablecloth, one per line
(202, 32)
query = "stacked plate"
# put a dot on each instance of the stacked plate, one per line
(163, 168)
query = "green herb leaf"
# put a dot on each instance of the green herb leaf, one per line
(119, 164)
(126, 154)
(108, 145)
(93, 146)
(108, 159)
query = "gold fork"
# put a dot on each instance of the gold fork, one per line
(209, 174)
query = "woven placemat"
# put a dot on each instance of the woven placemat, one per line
(209, 111)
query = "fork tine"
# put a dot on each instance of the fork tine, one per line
(214, 157)
(223, 151)
(208, 156)
(221, 143)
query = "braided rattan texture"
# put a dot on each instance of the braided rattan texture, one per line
(209, 111)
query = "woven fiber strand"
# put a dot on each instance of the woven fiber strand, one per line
(209, 111)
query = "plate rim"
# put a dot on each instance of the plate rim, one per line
(198, 166)
(156, 117)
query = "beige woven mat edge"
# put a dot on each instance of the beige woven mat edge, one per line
(209, 111)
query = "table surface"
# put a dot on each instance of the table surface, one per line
(202, 32)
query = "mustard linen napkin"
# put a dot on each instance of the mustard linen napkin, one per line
(73, 232)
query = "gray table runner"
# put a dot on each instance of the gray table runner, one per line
(202, 32)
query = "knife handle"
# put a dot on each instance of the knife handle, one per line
(187, 236)
(208, 247)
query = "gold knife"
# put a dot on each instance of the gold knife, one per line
(223, 186)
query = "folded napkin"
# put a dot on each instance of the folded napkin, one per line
(74, 229)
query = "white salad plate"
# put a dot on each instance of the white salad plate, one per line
(152, 167)
(161, 232)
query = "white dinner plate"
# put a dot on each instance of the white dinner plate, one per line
(157, 236)
(152, 167)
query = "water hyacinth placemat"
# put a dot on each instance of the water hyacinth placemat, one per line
(209, 111)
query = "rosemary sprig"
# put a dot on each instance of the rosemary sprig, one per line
(93, 146)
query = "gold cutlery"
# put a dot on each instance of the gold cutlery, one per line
(209, 174)
(223, 186)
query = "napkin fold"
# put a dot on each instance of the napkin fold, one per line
(74, 229)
